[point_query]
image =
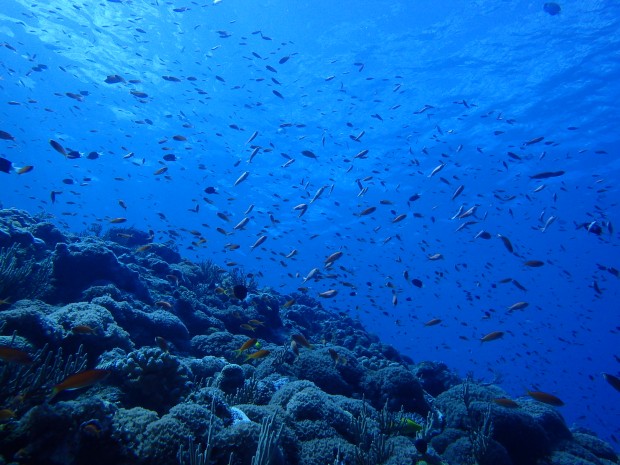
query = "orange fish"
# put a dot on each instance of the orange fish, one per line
(5, 301)
(258, 354)
(289, 303)
(80, 380)
(6, 414)
(25, 169)
(301, 340)
(506, 402)
(245, 346)
(144, 248)
(295, 347)
(545, 398)
(83, 329)
(162, 343)
(9, 354)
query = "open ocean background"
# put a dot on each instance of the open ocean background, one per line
(417, 84)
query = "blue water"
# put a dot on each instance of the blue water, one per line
(497, 74)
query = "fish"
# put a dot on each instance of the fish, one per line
(613, 381)
(83, 329)
(114, 79)
(118, 220)
(534, 263)
(302, 208)
(252, 137)
(492, 336)
(518, 306)
(5, 165)
(10, 354)
(162, 343)
(318, 194)
(507, 243)
(245, 346)
(6, 414)
(399, 218)
(552, 8)
(161, 171)
(25, 169)
(333, 257)
(483, 234)
(437, 169)
(546, 398)
(548, 223)
(534, 140)
(242, 223)
(505, 402)
(80, 380)
(328, 294)
(301, 340)
(242, 178)
(334, 355)
(432, 322)
(434, 257)
(247, 327)
(547, 174)
(240, 291)
(457, 192)
(59, 148)
(309, 154)
(258, 354)
(6, 136)
(367, 211)
(258, 242)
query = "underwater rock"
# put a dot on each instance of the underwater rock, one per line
(29, 319)
(129, 429)
(142, 325)
(325, 450)
(230, 379)
(48, 233)
(599, 448)
(54, 431)
(78, 266)
(152, 379)
(218, 344)
(196, 417)
(92, 326)
(317, 366)
(163, 438)
(398, 387)
(435, 377)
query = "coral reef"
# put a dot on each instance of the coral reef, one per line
(142, 358)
